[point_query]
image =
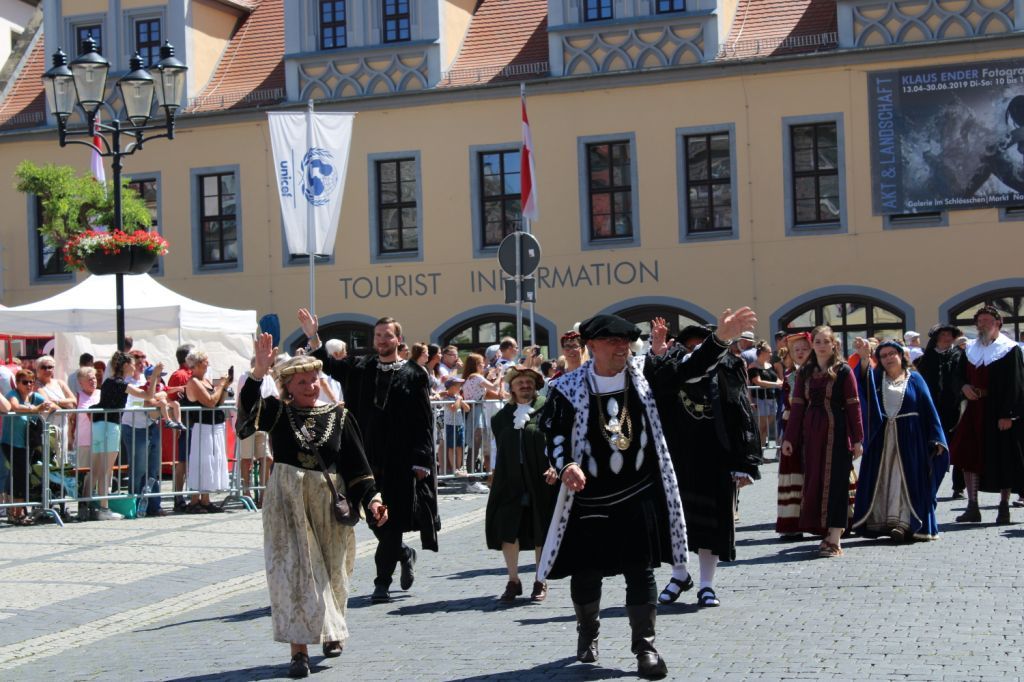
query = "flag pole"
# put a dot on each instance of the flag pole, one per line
(528, 212)
(310, 218)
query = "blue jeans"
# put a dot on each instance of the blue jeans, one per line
(141, 448)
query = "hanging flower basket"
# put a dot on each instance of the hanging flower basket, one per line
(112, 253)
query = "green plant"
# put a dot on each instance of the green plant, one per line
(73, 204)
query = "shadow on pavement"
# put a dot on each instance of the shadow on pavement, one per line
(612, 612)
(484, 604)
(755, 527)
(480, 572)
(244, 616)
(563, 669)
(267, 672)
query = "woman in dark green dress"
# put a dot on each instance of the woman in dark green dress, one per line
(522, 496)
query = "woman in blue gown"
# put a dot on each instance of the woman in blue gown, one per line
(905, 451)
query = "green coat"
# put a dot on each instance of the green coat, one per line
(518, 478)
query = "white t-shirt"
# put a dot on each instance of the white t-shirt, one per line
(6, 379)
(136, 420)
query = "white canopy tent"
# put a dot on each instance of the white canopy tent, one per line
(82, 319)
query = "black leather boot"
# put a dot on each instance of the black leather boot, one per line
(588, 625)
(971, 515)
(649, 664)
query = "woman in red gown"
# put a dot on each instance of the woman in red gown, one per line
(826, 432)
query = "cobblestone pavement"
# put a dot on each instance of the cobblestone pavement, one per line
(183, 598)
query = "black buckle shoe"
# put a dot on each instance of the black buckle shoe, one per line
(300, 666)
(408, 576)
(380, 595)
(332, 649)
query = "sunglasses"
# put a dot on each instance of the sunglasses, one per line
(26, 382)
(48, 368)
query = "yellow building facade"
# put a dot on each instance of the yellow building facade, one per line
(625, 154)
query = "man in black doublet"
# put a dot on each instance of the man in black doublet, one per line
(390, 400)
(712, 435)
(619, 511)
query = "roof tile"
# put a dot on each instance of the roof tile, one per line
(251, 70)
(25, 103)
(769, 28)
(507, 39)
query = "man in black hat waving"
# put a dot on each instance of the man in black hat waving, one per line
(618, 509)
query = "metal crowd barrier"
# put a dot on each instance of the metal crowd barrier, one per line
(44, 468)
(464, 444)
(767, 405)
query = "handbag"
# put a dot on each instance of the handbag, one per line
(340, 506)
(250, 424)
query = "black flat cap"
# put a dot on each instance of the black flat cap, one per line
(609, 326)
(694, 331)
(951, 328)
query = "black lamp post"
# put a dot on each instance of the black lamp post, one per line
(85, 81)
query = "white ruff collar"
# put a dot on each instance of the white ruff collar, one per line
(980, 355)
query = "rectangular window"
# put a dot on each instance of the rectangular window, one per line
(332, 24)
(147, 189)
(149, 192)
(49, 260)
(708, 183)
(500, 195)
(814, 152)
(218, 226)
(610, 190)
(396, 21)
(86, 30)
(595, 10)
(147, 40)
(397, 212)
(666, 6)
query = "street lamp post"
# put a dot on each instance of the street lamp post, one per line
(85, 81)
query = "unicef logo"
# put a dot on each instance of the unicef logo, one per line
(319, 180)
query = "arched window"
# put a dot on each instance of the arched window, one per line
(358, 337)
(1009, 302)
(677, 318)
(849, 317)
(478, 333)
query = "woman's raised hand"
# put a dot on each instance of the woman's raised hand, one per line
(264, 353)
(309, 322)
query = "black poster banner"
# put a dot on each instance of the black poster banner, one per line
(947, 137)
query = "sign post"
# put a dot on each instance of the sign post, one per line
(519, 256)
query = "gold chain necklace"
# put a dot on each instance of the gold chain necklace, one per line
(309, 423)
(619, 431)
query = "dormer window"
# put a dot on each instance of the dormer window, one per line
(596, 10)
(669, 6)
(332, 24)
(396, 21)
(83, 31)
(147, 40)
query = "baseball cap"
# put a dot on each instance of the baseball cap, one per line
(451, 381)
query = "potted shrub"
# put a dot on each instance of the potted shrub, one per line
(74, 206)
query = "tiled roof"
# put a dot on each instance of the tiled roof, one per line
(24, 105)
(251, 70)
(507, 39)
(769, 28)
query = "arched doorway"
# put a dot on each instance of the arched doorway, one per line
(477, 333)
(358, 337)
(849, 316)
(677, 318)
(1009, 302)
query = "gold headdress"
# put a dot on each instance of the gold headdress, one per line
(295, 365)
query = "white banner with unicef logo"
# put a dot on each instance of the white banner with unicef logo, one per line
(310, 161)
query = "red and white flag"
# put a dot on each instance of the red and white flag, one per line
(527, 172)
(96, 164)
(98, 171)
